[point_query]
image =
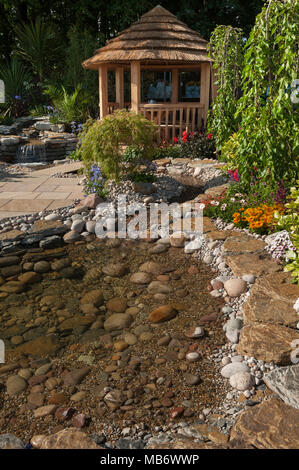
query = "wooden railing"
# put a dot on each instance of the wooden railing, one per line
(173, 119)
(113, 106)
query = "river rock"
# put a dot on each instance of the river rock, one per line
(177, 240)
(29, 277)
(235, 287)
(118, 321)
(43, 411)
(115, 269)
(13, 287)
(232, 368)
(117, 304)
(75, 376)
(140, 278)
(72, 236)
(94, 297)
(158, 287)
(15, 385)
(163, 313)
(152, 267)
(242, 381)
(42, 267)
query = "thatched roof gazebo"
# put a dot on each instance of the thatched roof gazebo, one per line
(170, 72)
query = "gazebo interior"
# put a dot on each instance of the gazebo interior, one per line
(158, 67)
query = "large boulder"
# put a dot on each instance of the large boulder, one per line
(271, 300)
(270, 425)
(268, 342)
(70, 438)
(285, 382)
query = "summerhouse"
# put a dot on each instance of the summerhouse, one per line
(158, 67)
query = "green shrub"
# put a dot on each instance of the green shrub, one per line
(171, 151)
(103, 141)
(68, 107)
(197, 145)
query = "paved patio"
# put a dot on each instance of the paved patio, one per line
(37, 191)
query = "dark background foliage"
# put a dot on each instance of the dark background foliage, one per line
(104, 19)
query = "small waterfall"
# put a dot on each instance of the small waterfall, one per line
(32, 152)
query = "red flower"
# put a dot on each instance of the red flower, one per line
(184, 133)
(175, 140)
(185, 138)
(210, 136)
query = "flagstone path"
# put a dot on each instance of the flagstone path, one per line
(38, 190)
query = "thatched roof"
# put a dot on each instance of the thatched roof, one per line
(157, 38)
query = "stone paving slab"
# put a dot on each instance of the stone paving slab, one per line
(37, 191)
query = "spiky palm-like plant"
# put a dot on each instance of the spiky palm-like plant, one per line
(15, 76)
(37, 46)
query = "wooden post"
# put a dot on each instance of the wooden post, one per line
(135, 86)
(119, 85)
(205, 89)
(103, 90)
(175, 86)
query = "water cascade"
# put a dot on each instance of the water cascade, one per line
(32, 152)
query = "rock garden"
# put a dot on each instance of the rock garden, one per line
(176, 339)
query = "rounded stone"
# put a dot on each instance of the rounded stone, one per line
(120, 346)
(94, 297)
(195, 332)
(118, 321)
(15, 385)
(29, 277)
(242, 381)
(42, 267)
(163, 313)
(177, 240)
(115, 269)
(140, 278)
(151, 267)
(158, 287)
(117, 304)
(235, 287)
(130, 339)
(232, 368)
(72, 236)
(78, 225)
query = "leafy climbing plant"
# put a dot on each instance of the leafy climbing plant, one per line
(268, 137)
(226, 48)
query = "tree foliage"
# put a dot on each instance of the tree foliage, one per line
(269, 119)
(226, 48)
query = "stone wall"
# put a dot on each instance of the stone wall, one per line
(56, 146)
